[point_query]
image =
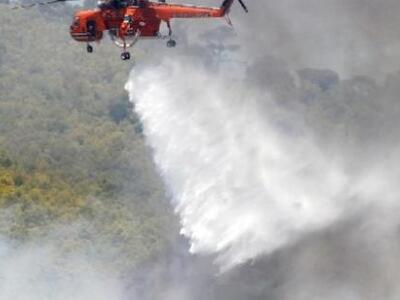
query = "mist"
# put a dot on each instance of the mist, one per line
(41, 270)
(277, 144)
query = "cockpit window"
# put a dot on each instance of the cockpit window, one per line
(128, 19)
(103, 3)
(76, 22)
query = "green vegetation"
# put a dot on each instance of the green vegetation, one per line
(71, 150)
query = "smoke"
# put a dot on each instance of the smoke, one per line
(351, 37)
(278, 145)
(43, 271)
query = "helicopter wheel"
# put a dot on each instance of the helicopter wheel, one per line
(125, 56)
(89, 49)
(171, 43)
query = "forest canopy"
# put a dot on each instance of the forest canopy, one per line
(71, 149)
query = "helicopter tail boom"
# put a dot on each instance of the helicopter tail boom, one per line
(169, 11)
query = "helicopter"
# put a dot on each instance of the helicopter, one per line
(128, 21)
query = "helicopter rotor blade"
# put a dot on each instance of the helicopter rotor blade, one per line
(243, 6)
(41, 3)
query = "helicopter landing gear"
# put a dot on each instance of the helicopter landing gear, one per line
(89, 48)
(171, 43)
(125, 56)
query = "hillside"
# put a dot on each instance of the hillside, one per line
(71, 151)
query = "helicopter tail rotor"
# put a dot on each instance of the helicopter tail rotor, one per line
(226, 6)
(243, 6)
